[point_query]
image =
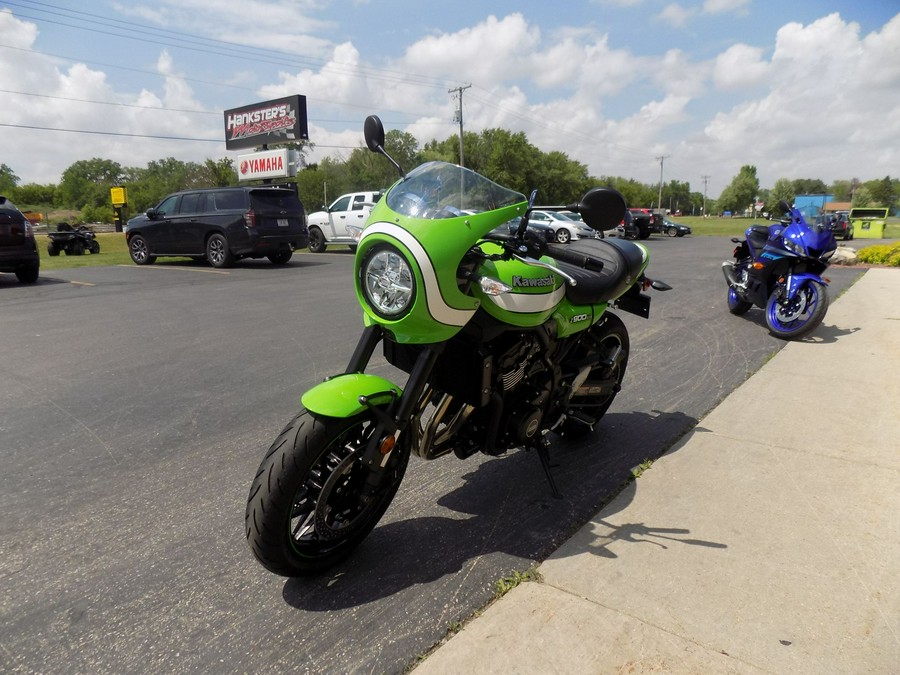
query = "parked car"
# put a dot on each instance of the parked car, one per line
(18, 248)
(221, 225)
(564, 228)
(674, 229)
(340, 222)
(841, 225)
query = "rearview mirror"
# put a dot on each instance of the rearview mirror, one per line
(602, 208)
(374, 133)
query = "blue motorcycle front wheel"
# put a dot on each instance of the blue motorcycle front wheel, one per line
(797, 317)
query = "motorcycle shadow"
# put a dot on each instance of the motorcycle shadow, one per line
(828, 334)
(502, 513)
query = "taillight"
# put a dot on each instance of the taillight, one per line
(29, 230)
(249, 218)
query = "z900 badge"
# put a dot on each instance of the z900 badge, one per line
(579, 318)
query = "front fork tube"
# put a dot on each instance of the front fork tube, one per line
(400, 411)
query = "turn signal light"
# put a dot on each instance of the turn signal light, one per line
(757, 265)
(387, 444)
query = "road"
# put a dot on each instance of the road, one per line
(136, 404)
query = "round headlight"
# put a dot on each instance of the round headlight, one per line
(388, 283)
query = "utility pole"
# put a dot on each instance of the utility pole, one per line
(459, 118)
(661, 158)
(705, 181)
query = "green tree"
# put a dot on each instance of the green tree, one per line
(741, 192)
(809, 186)
(8, 181)
(783, 190)
(87, 183)
(33, 194)
(220, 173)
(884, 191)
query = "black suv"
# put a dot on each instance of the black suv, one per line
(18, 249)
(221, 225)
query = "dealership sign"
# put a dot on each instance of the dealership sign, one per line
(268, 164)
(281, 120)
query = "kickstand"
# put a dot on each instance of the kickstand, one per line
(544, 456)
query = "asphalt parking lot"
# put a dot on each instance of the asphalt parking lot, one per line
(137, 403)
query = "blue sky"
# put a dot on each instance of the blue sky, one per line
(801, 89)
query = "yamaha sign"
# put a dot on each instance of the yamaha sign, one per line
(268, 164)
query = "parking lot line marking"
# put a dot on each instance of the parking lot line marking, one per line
(180, 269)
(82, 283)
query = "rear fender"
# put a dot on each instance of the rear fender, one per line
(340, 395)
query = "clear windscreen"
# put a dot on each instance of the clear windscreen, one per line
(443, 190)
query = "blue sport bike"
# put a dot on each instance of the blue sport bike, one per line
(779, 269)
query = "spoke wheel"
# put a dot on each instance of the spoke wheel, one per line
(312, 500)
(793, 318)
(139, 251)
(217, 252)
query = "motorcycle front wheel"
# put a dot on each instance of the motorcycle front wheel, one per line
(791, 319)
(312, 501)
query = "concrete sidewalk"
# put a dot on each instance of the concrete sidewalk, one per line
(768, 540)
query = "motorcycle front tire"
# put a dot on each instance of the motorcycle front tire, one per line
(807, 315)
(311, 502)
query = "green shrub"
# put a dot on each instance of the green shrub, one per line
(883, 254)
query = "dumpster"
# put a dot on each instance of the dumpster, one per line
(868, 223)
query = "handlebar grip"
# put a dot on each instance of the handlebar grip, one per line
(565, 254)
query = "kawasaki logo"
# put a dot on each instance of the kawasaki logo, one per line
(525, 282)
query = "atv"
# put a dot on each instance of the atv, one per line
(74, 240)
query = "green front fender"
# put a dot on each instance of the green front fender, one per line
(339, 396)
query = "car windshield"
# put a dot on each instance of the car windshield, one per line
(443, 190)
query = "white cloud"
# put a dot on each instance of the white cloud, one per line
(676, 15)
(722, 6)
(739, 67)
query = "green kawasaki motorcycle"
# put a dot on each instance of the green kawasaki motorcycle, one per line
(504, 337)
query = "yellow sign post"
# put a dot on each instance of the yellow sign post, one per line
(118, 196)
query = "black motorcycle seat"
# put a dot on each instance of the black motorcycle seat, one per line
(621, 259)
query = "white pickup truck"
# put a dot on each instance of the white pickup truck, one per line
(330, 226)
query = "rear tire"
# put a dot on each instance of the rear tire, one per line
(316, 240)
(307, 510)
(605, 338)
(281, 257)
(735, 305)
(217, 251)
(28, 274)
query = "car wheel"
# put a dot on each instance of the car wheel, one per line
(217, 252)
(139, 251)
(316, 240)
(563, 236)
(28, 274)
(672, 232)
(281, 257)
